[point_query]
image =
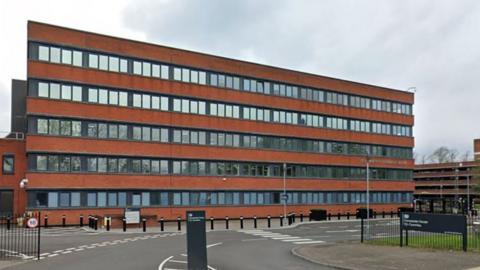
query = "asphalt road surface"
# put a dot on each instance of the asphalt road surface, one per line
(249, 248)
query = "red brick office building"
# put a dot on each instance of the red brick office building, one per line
(112, 123)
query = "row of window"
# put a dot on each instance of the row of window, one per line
(188, 75)
(136, 165)
(192, 106)
(103, 130)
(113, 198)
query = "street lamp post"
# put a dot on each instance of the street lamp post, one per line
(468, 195)
(368, 191)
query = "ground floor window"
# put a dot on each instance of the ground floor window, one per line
(164, 198)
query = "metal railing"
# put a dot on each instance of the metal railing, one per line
(387, 232)
(20, 237)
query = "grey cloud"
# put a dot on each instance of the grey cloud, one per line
(432, 45)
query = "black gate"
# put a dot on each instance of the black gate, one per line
(20, 237)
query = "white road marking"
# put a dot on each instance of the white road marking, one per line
(309, 242)
(285, 237)
(211, 268)
(67, 252)
(216, 244)
(175, 261)
(160, 267)
(294, 240)
(53, 255)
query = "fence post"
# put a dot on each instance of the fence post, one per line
(226, 223)
(301, 217)
(38, 236)
(179, 223)
(281, 221)
(81, 220)
(348, 215)
(8, 223)
(465, 236)
(124, 221)
(211, 223)
(64, 220)
(144, 223)
(268, 221)
(406, 238)
(255, 222)
(241, 222)
(362, 230)
(108, 224)
(161, 224)
(401, 230)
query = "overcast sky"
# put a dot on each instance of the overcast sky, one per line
(431, 45)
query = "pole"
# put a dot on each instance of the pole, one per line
(284, 190)
(468, 195)
(368, 194)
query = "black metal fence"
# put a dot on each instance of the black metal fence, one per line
(20, 237)
(387, 232)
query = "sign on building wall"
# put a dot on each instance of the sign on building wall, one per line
(132, 215)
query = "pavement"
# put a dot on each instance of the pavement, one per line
(356, 256)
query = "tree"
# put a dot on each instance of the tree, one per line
(443, 155)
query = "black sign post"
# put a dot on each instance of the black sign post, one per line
(196, 240)
(437, 223)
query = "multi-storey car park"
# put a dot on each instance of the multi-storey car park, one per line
(111, 123)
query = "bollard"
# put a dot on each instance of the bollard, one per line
(89, 221)
(81, 220)
(179, 224)
(64, 221)
(8, 223)
(269, 224)
(391, 214)
(301, 217)
(211, 223)
(226, 222)
(144, 223)
(290, 219)
(108, 223)
(329, 216)
(162, 226)
(338, 215)
(96, 224)
(383, 214)
(124, 221)
(241, 222)
(255, 222)
(348, 215)
(374, 214)
(281, 221)
(45, 221)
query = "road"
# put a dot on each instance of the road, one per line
(249, 248)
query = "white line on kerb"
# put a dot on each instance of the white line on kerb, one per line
(160, 267)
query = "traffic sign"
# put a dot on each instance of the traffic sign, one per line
(32, 223)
